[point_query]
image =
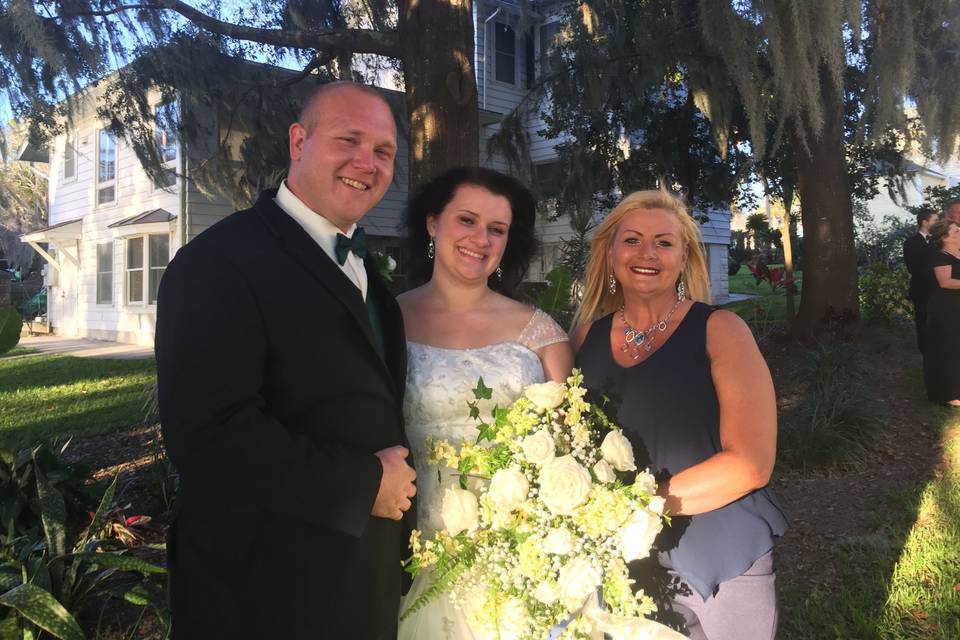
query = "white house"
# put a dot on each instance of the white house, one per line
(112, 230)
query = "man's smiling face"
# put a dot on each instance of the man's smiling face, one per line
(341, 159)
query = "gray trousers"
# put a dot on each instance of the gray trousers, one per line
(744, 608)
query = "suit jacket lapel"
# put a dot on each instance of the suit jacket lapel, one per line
(314, 260)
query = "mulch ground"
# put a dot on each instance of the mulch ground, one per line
(828, 507)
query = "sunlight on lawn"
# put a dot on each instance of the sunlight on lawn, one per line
(43, 396)
(924, 597)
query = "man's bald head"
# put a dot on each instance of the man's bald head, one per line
(313, 105)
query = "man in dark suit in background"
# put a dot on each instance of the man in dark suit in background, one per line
(916, 256)
(281, 399)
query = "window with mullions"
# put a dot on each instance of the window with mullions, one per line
(69, 158)
(505, 53)
(167, 118)
(146, 261)
(105, 273)
(106, 167)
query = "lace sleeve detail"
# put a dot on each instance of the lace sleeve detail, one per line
(541, 331)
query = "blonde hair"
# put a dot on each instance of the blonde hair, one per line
(597, 300)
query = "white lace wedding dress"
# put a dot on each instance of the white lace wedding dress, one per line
(439, 385)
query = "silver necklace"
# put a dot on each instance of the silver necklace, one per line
(634, 340)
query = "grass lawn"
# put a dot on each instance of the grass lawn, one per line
(18, 351)
(52, 395)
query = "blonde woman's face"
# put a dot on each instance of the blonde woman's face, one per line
(647, 252)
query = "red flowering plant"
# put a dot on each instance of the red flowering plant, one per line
(775, 277)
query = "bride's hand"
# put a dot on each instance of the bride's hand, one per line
(396, 484)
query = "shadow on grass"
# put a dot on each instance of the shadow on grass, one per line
(896, 579)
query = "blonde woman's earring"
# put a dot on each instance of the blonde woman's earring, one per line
(612, 285)
(681, 291)
(431, 249)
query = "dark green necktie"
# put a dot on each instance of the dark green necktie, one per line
(357, 244)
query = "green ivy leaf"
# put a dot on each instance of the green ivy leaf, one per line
(43, 610)
(482, 391)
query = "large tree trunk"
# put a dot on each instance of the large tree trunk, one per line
(828, 301)
(436, 37)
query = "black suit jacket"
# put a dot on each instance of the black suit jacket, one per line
(916, 257)
(273, 400)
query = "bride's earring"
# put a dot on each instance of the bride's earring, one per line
(499, 273)
(612, 285)
(431, 249)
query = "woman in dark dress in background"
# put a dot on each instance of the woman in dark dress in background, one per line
(941, 359)
(694, 395)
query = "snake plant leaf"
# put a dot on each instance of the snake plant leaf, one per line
(112, 560)
(43, 610)
(53, 513)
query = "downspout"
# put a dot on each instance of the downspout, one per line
(184, 201)
(486, 46)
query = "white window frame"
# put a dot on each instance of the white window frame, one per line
(70, 144)
(99, 272)
(113, 182)
(173, 163)
(146, 268)
(516, 56)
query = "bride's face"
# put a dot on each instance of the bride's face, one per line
(470, 234)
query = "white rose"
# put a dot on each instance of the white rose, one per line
(538, 448)
(459, 511)
(603, 472)
(577, 580)
(508, 488)
(513, 620)
(564, 485)
(638, 535)
(657, 504)
(645, 482)
(547, 592)
(546, 395)
(559, 542)
(617, 451)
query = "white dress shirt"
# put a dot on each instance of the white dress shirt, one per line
(324, 233)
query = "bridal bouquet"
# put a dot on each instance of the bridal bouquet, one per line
(550, 509)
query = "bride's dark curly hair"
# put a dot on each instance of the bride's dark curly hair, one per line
(433, 196)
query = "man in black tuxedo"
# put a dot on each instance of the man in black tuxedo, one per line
(281, 365)
(916, 256)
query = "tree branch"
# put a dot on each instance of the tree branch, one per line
(353, 40)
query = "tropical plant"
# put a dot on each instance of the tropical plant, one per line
(10, 327)
(45, 581)
(775, 277)
(557, 298)
(21, 511)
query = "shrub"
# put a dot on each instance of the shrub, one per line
(557, 298)
(836, 421)
(883, 293)
(10, 326)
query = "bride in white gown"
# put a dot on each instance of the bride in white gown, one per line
(474, 225)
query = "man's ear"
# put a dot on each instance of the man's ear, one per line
(297, 134)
